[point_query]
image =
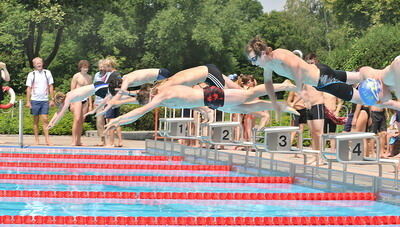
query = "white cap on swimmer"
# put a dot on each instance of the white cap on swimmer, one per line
(298, 53)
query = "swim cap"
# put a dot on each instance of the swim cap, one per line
(233, 76)
(369, 90)
(100, 89)
(298, 53)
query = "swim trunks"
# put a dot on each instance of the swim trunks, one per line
(214, 77)
(214, 97)
(302, 119)
(334, 83)
(378, 121)
(316, 112)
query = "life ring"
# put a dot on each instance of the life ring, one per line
(12, 99)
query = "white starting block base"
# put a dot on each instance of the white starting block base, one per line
(350, 150)
(176, 128)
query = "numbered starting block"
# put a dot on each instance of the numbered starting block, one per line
(221, 133)
(350, 148)
(276, 140)
(176, 128)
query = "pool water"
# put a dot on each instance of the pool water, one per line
(164, 207)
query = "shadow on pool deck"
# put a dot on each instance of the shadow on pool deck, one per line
(10, 140)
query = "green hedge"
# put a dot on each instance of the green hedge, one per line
(9, 121)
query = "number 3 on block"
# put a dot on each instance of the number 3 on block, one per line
(283, 141)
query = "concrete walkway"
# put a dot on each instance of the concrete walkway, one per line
(65, 141)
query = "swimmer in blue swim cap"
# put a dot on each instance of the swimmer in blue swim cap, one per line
(370, 90)
(389, 76)
(320, 76)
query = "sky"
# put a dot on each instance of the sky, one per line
(270, 5)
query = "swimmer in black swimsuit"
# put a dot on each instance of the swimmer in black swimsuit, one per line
(119, 86)
(323, 78)
(178, 96)
(208, 73)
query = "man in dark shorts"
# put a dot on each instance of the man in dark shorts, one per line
(39, 85)
(314, 102)
(294, 100)
(379, 125)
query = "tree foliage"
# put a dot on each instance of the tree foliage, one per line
(179, 34)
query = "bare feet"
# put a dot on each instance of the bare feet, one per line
(290, 86)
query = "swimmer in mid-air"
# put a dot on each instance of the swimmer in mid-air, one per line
(77, 95)
(179, 96)
(388, 76)
(119, 86)
(320, 76)
(210, 74)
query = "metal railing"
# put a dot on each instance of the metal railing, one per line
(310, 176)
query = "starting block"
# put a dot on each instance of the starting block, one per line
(276, 140)
(350, 148)
(222, 132)
(176, 128)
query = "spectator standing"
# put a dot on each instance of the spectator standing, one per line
(110, 67)
(100, 76)
(39, 86)
(79, 109)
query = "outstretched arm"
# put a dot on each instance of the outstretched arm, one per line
(126, 100)
(255, 106)
(104, 102)
(134, 114)
(270, 88)
(59, 114)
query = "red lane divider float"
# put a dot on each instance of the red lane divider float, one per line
(115, 166)
(195, 179)
(100, 220)
(256, 196)
(190, 195)
(108, 157)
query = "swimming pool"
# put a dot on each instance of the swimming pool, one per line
(69, 186)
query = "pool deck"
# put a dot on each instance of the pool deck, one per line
(64, 141)
(10, 140)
